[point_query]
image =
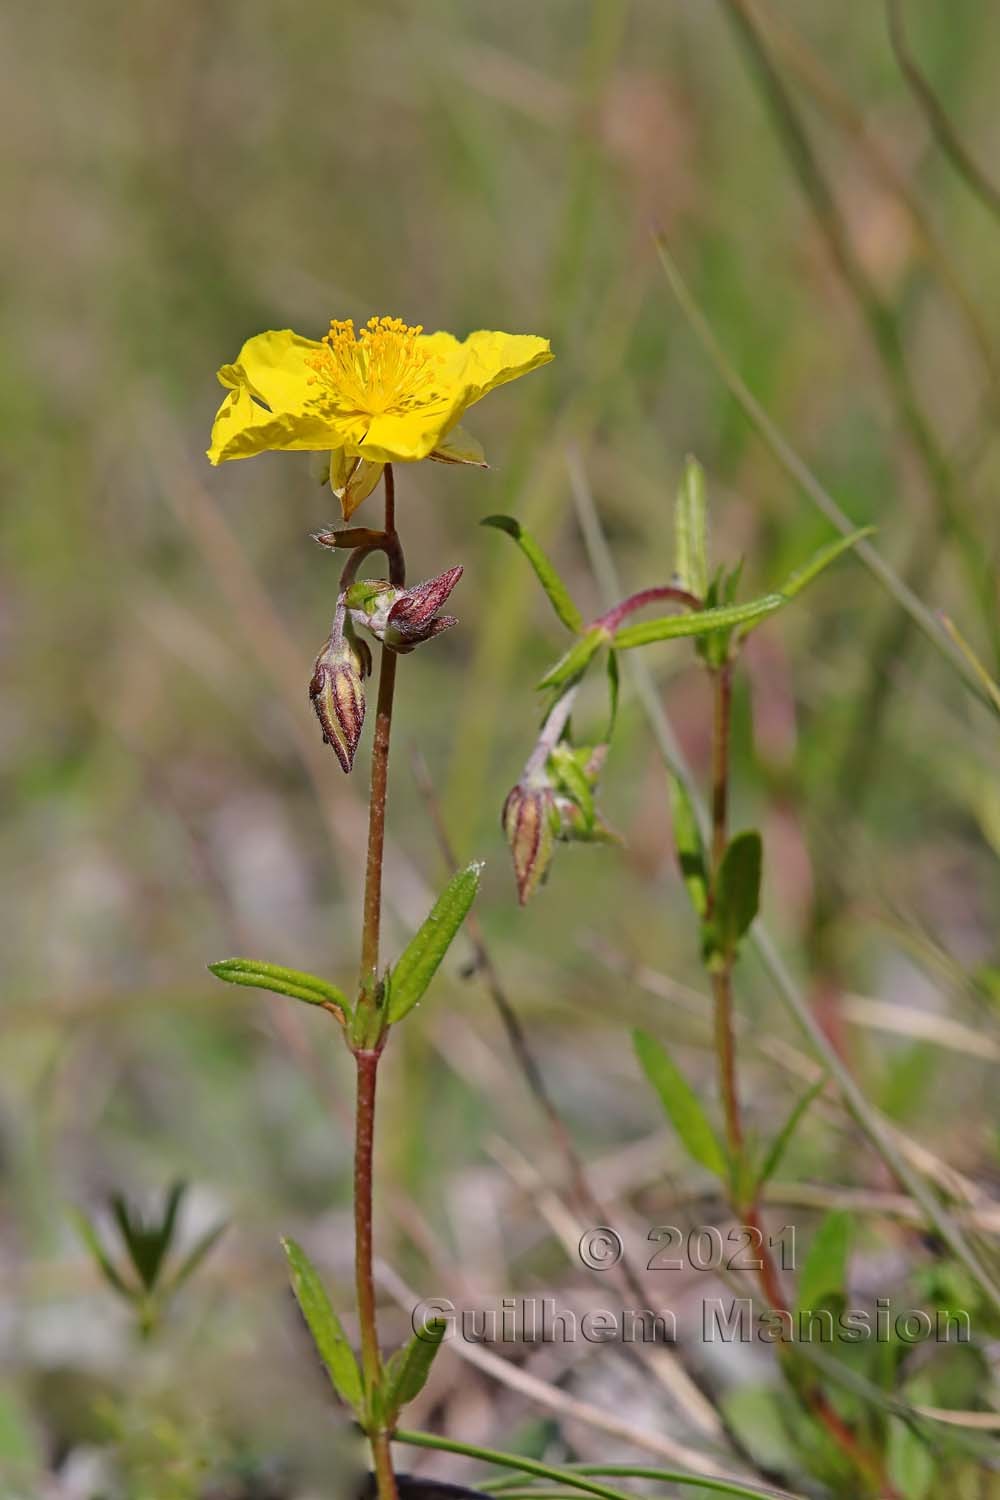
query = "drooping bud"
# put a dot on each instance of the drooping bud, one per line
(338, 695)
(403, 618)
(527, 821)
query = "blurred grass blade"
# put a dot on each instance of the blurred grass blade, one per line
(325, 1327)
(737, 889)
(703, 622)
(989, 686)
(407, 1371)
(421, 957)
(279, 981)
(576, 660)
(824, 1274)
(804, 477)
(102, 1260)
(690, 848)
(691, 530)
(782, 1140)
(681, 1103)
(558, 594)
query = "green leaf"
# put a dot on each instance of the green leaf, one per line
(421, 957)
(780, 1143)
(691, 530)
(701, 622)
(690, 849)
(281, 981)
(737, 890)
(909, 1461)
(571, 778)
(613, 695)
(558, 593)
(196, 1255)
(407, 1371)
(577, 659)
(105, 1265)
(824, 1274)
(820, 560)
(325, 1327)
(681, 1104)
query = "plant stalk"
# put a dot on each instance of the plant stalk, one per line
(367, 1059)
(865, 1462)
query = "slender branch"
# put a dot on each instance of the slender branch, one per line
(611, 620)
(367, 1058)
(937, 116)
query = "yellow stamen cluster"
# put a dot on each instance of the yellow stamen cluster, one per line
(382, 370)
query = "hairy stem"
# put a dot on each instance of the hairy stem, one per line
(367, 1059)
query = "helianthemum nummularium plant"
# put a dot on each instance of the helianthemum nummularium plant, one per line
(387, 396)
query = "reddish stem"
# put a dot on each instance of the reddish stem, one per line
(612, 618)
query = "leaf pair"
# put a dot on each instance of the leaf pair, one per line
(147, 1244)
(404, 986)
(728, 908)
(405, 1374)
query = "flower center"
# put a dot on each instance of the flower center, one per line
(381, 370)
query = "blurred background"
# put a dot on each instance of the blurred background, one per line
(180, 176)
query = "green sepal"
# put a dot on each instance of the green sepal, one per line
(280, 981)
(704, 622)
(326, 1328)
(690, 848)
(419, 961)
(567, 767)
(557, 592)
(691, 531)
(577, 659)
(781, 1141)
(407, 1371)
(365, 595)
(681, 1105)
(737, 891)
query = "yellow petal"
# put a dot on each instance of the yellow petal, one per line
(408, 436)
(361, 478)
(274, 367)
(486, 360)
(243, 428)
(460, 447)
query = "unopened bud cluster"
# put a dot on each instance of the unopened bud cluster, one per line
(401, 619)
(553, 802)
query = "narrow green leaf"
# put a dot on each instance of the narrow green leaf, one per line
(196, 1255)
(419, 960)
(909, 1460)
(824, 1274)
(407, 1371)
(690, 849)
(821, 560)
(558, 594)
(103, 1261)
(691, 530)
(571, 778)
(577, 659)
(681, 1104)
(279, 981)
(737, 889)
(781, 1141)
(325, 1327)
(701, 622)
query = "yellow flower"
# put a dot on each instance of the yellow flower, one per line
(392, 394)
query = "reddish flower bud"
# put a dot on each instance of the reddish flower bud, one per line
(338, 695)
(527, 822)
(403, 618)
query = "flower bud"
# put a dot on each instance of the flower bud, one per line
(338, 694)
(527, 822)
(403, 618)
